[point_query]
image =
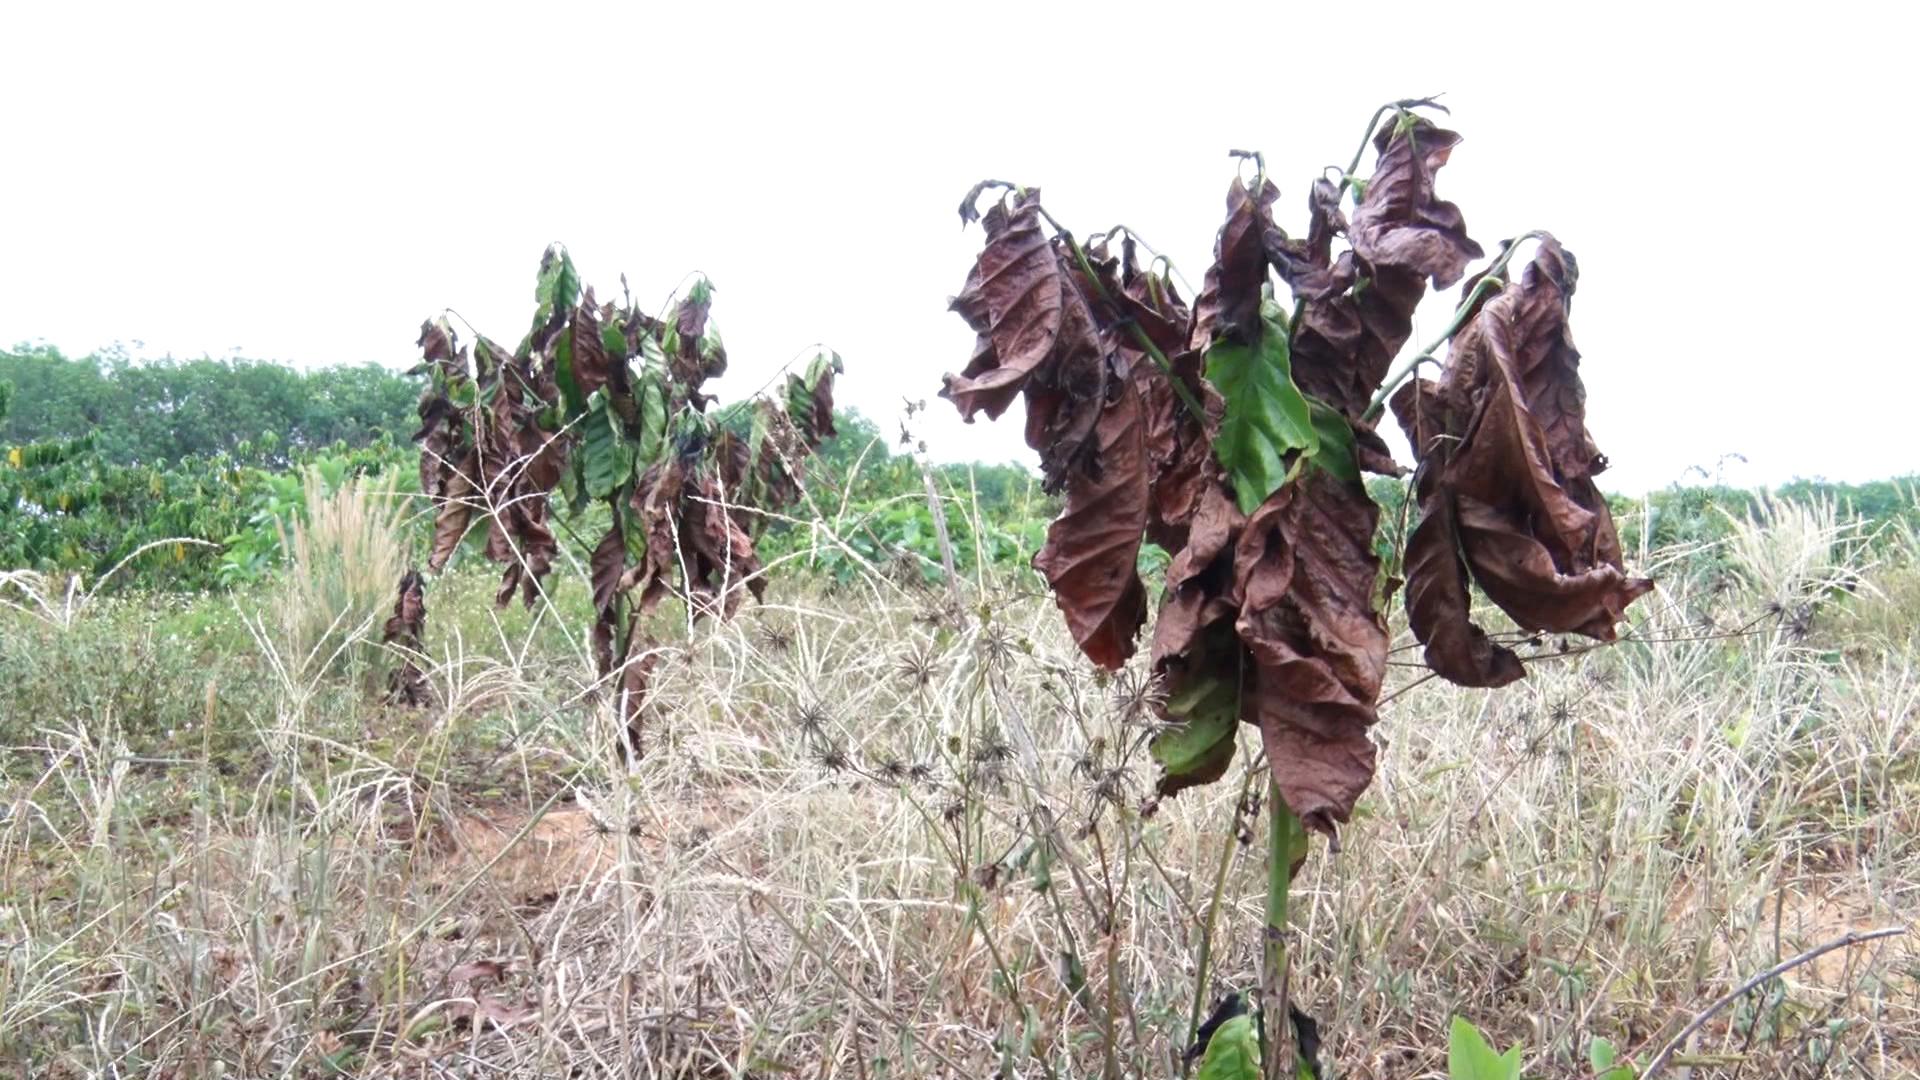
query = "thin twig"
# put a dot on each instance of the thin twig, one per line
(1846, 940)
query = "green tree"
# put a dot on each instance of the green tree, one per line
(160, 412)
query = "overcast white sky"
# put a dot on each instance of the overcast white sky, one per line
(308, 182)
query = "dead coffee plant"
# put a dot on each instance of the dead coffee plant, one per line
(606, 402)
(1233, 433)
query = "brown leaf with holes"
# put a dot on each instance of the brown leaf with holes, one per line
(1506, 480)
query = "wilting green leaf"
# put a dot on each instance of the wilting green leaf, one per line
(1233, 1053)
(1267, 416)
(1198, 751)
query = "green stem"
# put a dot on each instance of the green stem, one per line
(1493, 279)
(1284, 837)
(1227, 848)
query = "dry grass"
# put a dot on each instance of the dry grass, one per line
(879, 835)
(342, 560)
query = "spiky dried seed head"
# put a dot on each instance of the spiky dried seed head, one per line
(810, 717)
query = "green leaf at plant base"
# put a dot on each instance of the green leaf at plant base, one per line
(1605, 1061)
(1266, 417)
(1233, 1053)
(1470, 1058)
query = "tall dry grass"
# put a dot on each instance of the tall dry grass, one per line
(881, 834)
(343, 557)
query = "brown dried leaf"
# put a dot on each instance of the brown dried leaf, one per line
(1438, 607)
(409, 617)
(1359, 307)
(1229, 300)
(636, 690)
(1037, 335)
(500, 1012)
(607, 569)
(455, 499)
(718, 553)
(692, 364)
(1507, 471)
(1305, 575)
(1401, 222)
(1092, 551)
(656, 499)
(407, 684)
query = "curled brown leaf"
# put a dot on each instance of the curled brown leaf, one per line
(1305, 575)
(1091, 557)
(1506, 481)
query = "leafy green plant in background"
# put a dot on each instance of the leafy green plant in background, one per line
(1234, 435)
(158, 412)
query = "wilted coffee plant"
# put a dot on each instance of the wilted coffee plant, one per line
(1234, 431)
(606, 402)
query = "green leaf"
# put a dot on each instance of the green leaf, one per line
(1606, 1062)
(563, 376)
(1470, 1058)
(604, 455)
(1197, 751)
(1233, 1053)
(1336, 452)
(650, 395)
(1266, 417)
(558, 284)
(800, 389)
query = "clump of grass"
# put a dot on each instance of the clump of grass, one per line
(344, 556)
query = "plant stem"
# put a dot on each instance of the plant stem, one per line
(1227, 848)
(1284, 832)
(1490, 281)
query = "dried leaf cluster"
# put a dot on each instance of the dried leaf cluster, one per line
(607, 403)
(1234, 431)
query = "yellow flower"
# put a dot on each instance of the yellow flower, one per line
(15, 458)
